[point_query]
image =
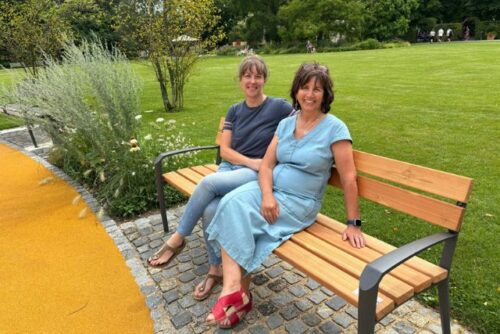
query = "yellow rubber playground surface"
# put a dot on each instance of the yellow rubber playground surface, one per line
(59, 272)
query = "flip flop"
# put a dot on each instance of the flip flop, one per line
(175, 251)
(217, 280)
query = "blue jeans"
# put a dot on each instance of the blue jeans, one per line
(206, 196)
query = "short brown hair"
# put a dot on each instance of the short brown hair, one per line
(321, 73)
(253, 61)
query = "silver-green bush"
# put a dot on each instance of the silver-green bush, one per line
(89, 104)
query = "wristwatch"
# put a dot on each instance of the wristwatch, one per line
(355, 222)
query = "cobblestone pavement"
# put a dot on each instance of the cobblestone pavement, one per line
(285, 301)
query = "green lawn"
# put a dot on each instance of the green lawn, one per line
(435, 105)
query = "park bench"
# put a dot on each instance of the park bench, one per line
(379, 277)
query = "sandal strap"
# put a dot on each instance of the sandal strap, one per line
(216, 278)
(233, 303)
(166, 247)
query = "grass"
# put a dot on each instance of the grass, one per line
(433, 105)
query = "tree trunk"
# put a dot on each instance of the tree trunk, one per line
(160, 76)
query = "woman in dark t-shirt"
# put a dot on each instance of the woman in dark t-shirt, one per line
(248, 129)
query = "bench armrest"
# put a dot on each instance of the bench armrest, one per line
(375, 271)
(159, 159)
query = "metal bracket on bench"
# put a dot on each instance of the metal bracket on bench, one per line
(377, 269)
(159, 176)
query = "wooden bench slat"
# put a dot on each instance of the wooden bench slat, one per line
(329, 276)
(213, 167)
(391, 286)
(191, 175)
(203, 170)
(179, 182)
(408, 275)
(429, 209)
(448, 185)
(435, 272)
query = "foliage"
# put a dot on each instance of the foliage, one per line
(172, 35)
(89, 105)
(30, 29)
(89, 18)
(321, 19)
(7, 122)
(388, 19)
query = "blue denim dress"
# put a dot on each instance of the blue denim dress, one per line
(299, 183)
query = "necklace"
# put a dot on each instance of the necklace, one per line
(309, 125)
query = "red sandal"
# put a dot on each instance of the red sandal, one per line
(232, 307)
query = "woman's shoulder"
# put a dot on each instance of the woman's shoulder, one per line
(335, 121)
(279, 101)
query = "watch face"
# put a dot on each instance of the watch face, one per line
(355, 222)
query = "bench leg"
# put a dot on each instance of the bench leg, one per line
(161, 200)
(366, 310)
(444, 306)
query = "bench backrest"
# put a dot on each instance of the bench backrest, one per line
(415, 190)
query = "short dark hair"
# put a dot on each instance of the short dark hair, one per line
(321, 73)
(253, 61)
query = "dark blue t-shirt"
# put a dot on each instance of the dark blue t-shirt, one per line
(253, 128)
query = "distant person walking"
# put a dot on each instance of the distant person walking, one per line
(440, 34)
(449, 34)
(466, 33)
(432, 35)
(309, 47)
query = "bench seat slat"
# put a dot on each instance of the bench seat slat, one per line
(329, 276)
(430, 180)
(191, 175)
(409, 275)
(435, 272)
(203, 170)
(391, 286)
(179, 182)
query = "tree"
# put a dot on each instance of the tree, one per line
(321, 19)
(30, 30)
(260, 19)
(389, 18)
(91, 18)
(171, 33)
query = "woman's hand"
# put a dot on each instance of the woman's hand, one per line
(269, 208)
(254, 164)
(354, 235)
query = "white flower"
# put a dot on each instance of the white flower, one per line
(133, 173)
(133, 142)
(135, 149)
(172, 121)
(138, 117)
(160, 120)
(148, 111)
(102, 177)
(148, 137)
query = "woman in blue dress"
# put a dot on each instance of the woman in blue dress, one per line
(254, 219)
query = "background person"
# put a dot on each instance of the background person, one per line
(257, 217)
(248, 129)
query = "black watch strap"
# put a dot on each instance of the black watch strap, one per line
(355, 222)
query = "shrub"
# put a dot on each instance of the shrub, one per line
(89, 104)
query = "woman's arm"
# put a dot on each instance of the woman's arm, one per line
(234, 157)
(269, 207)
(344, 163)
